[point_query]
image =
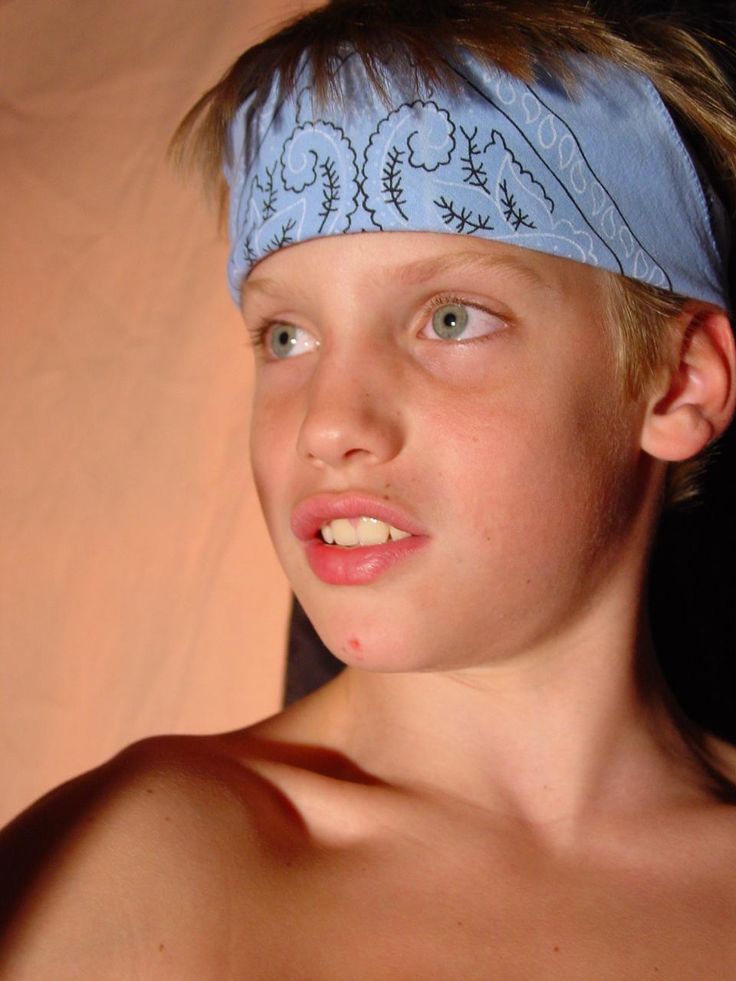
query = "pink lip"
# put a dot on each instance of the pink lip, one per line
(361, 564)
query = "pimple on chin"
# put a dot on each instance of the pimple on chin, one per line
(354, 644)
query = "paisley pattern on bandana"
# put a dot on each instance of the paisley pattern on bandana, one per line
(309, 189)
(505, 160)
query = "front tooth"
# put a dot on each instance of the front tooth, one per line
(396, 534)
(344, 532)
(327, 534)
(371, 531)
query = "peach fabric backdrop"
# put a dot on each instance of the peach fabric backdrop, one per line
(138, 590)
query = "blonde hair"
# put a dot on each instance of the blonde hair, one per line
(516, 35)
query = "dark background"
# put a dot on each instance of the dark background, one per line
(692, 593)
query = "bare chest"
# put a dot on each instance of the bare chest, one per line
(369, 918)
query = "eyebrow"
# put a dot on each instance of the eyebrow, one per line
(262, 285)
(420, 271)
(475, 260)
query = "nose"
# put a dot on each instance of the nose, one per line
(352, 412)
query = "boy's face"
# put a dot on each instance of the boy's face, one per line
(507, 441)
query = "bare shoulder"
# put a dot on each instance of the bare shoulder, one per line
(136, 861)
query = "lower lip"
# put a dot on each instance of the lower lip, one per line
(360, 564)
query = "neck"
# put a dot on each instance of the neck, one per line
(552, 740)
(559, 737)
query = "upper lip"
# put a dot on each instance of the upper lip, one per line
(310, 514)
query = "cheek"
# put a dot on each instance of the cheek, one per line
(271, 447)
(579, 487)
(534, 476)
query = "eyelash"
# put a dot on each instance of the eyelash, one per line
(257, 332)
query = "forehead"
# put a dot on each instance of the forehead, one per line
(385, 262)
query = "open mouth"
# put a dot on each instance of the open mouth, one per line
(353, 538)
(353, 532)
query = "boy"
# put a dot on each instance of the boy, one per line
(485, 279)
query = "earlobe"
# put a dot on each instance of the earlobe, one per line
(699, 394)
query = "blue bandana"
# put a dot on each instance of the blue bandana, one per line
(597, 173)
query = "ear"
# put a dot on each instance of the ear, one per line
(695, 402)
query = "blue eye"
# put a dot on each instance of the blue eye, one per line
(453, 320)
(287, 341)
(450, 320)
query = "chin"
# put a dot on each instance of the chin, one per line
(361, 640)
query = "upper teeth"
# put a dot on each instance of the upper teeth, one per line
(360, 531)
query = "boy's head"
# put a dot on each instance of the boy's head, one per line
(529, 122)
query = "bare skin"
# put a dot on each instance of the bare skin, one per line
(260, 855)
(485, 792)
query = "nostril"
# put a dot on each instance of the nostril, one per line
(351, 454)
